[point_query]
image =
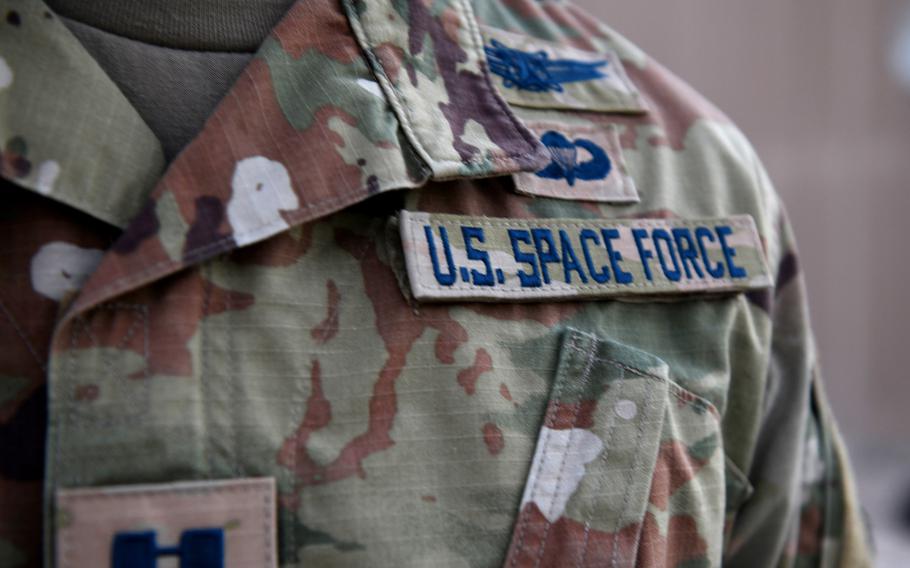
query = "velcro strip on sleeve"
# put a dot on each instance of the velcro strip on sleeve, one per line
(452, 257)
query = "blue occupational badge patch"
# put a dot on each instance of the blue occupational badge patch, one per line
(532, 72)
(536, 71)
(565, 164)
(586, 164)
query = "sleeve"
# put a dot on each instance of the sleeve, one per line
(804, 510)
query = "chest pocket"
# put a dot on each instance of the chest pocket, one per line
(628, 468)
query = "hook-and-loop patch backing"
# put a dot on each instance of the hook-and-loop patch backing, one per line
(453, 257)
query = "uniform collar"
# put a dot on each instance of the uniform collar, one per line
(339, 103)
(66, 131)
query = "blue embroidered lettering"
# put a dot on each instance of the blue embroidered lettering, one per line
(643, 253)
(545, 236)
(688, 254)
(659, 236)
(564, 159)
(702, 234)
(523, 236)
(729, 252)
(622, 277)
(478, 278)
(589, 235)
(443, 279)
(569, 259)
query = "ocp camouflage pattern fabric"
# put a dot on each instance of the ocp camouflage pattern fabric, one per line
(244, 311)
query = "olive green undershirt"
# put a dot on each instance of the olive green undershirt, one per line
(198, 25)
(174, 60)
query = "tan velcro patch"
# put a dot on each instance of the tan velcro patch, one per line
(586, 165)
(451, 257)
(234, 516)
(536, 73)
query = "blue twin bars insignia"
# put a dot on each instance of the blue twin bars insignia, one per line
(188, 524)
(198, 548)
(536, 71)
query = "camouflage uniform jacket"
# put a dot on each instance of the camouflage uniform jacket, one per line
(351, 323)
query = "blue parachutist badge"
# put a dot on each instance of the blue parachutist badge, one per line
(564, 163)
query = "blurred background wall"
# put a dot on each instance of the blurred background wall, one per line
(822, 89)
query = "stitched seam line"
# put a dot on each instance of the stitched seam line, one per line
(548, 419)
(668, 285)
(602, 192)
(681, 393)
(604, 456)
(635, 465)
(231, 487)
(586, 375)
(67, 408)
(65, 417)
(267, 527)
(743, 221)
(233, 386)
(140, 319)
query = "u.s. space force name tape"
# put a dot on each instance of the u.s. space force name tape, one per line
(453, 257)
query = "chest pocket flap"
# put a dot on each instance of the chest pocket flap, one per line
(628, 468)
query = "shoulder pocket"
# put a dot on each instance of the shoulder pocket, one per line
(628, 469)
